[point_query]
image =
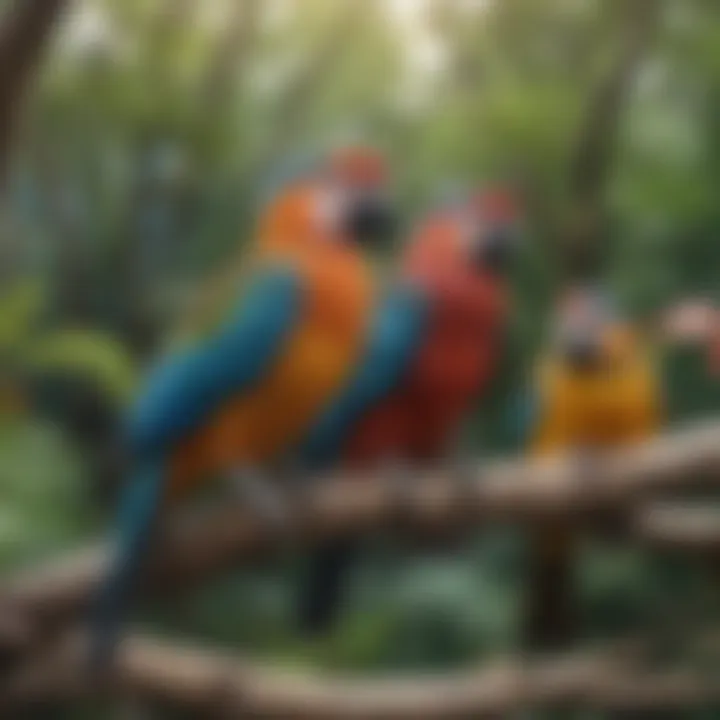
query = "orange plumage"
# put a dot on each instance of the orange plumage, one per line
(322, 350)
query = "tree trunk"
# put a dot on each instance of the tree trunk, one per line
(592, 163)
(23, 35)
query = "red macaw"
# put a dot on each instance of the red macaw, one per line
(432, 353)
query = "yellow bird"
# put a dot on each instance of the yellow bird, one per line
(597, 388)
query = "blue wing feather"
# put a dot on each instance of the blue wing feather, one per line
(395, 337)
(185, 389)
(140, 504)
(182, 392)
(393, 340)
(522, 417)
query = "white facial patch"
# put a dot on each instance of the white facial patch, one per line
(330, 202)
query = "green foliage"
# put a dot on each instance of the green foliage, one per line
(159, 127)
(44, 499)
(20, 308)
(44, 503)
(96, 356)
(25, 340)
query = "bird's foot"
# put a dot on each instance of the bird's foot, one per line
(261, 495)
(296, 482)
(464, 475)
(461, 473)
(585, 460)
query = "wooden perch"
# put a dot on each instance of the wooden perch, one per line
(199, 545)
(218, 685)
(687, 528)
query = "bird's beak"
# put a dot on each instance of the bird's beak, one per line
(495, 249)
(369, 219)
(582, 351)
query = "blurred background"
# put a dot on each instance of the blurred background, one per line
(153, 131)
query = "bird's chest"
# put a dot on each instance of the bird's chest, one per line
(607, 413)
(337, 301)
(458, 354)
(325, 343)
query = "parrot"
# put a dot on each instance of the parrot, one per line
(433, 348)
(596, 387)
(241, 393)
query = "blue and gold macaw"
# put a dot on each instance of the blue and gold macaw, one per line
(597, 388)
(243, 391)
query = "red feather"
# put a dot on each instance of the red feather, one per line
(458, 357)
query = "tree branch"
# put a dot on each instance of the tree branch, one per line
(196, 546)
(680, 528)
(218, 685)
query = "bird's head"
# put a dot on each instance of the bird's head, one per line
(354, 194)
(345, 200)
(470, 239)
(493, 230)
(590, 336)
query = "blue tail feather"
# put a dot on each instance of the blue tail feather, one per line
(138, 510)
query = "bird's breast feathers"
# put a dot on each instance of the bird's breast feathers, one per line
(319, 355)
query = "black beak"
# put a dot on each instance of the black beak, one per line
(495, 250)
(370, 219)
(582, 351)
